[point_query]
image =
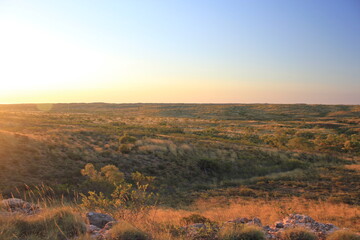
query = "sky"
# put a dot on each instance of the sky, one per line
(180, 51)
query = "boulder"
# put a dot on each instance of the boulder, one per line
(297, 220)
(92, 229)
(279, 225)
(16, 205)
(256, 221)
(109, 225)
(201, 231)
(98, 233)
(99, 219)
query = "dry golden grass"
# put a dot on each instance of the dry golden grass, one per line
(159, 222)
(221, 210)
(355, 167)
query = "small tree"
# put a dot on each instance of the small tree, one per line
(300, 143)
(134, 197)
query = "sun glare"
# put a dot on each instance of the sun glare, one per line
(32, 60)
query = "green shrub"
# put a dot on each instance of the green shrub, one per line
(126, 231)
(240, 232)
(50, 224)
(344, 235)
(300, 143)
(298, 234)
(109, 173)
(127, 139)
(209, 166)
(292, 164)
(194, 218)
(124, 148)
(136, 196)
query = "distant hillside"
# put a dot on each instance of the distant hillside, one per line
(267, 150)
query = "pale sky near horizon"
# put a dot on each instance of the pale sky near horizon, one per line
(206, 51)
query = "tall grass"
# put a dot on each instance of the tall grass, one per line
(50, 224)
(62, 222)
(45, 196)
(221, 210)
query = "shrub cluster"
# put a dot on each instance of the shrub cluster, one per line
(135, 196)
(298, 234)
(241, 232)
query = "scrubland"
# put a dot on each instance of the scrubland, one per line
(220, 161)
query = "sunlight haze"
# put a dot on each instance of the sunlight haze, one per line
(180, 51)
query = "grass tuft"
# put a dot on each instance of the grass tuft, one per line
(344, 235)
(240, 232)
(126, 231)
(50, 224)
(298, 234)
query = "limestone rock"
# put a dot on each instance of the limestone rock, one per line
(256, 221)
(99, 219)
(16, 205)
(201, 231)
(92, 229)
(297, 220)
(279, 225)
(109, 225)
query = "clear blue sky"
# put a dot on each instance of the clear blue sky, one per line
(275, 51)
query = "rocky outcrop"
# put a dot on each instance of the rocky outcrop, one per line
(302, 221)
(100, 224)
(99, 233)
(16, 205)
(99, 219)
(321, 230)
(201, 231)
(255, 221)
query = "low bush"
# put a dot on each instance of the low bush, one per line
(209, 166)
(126, 231)
(298, 234)
(127, 139)
(125, 148)
(194, 218)
(240, 232)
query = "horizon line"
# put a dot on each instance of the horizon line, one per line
(184, 103)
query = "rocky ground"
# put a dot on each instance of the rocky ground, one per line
(99, 224)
